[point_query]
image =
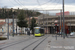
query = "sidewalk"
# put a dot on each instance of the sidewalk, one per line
(62, 44)
(13, 39)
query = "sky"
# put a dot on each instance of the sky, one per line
(38, 4)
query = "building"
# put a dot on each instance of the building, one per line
(2, 20)
(48, 21)
(4, 26)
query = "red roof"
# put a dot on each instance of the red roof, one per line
(10, 23)
(2, 23)
(65, 13)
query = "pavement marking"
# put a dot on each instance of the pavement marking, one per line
(48, 46)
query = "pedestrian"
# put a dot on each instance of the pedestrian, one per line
(28, 32)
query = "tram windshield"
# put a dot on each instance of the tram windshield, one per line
(37, 31)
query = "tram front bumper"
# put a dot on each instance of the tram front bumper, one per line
(37, 34)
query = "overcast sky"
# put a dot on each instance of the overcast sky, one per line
(38, 4)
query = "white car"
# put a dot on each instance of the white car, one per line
(72, 33)
(59, 33)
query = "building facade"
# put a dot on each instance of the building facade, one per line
(49, 21)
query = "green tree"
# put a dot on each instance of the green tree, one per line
(21, 20)
(33, 24)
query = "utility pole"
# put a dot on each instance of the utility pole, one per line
(8, 29)
(13, 25)
(33, 24)
(63, 22)
(59, 23)
(16, 25)
(43, 20)
(29, 21)
(8, 25)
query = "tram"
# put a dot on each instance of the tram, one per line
(38, 31)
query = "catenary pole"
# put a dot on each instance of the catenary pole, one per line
(13, 25)
(8, 29)
(16, 25)
(63, 22)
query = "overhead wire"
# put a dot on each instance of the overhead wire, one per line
(12, 2)
(39, 4)
(57, 3)
(46, 2)
(43, 3)
(50, 3)
(18, 3)
(21, 3)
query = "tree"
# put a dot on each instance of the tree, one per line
(29, 13)
(21, 20)
(33, 24)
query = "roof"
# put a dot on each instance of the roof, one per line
(10, 23)
(2, 23)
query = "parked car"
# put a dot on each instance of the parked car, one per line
(72, 33)
(59, 33)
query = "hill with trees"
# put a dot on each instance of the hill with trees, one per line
(5, 13)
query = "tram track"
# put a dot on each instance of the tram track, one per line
(36, 42)
(13, 42)
(16, 42)
(32, 39)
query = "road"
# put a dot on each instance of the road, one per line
(31, 43)
(47, 42)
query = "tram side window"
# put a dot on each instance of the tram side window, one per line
(41, 31)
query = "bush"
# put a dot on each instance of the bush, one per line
(3, 38)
